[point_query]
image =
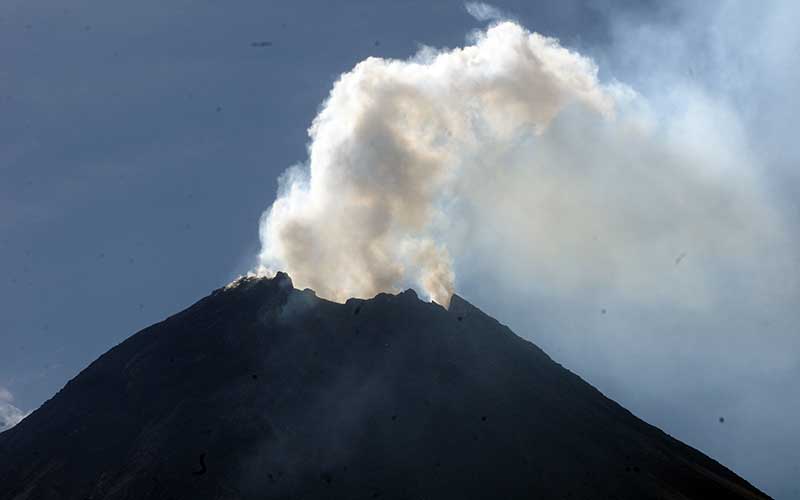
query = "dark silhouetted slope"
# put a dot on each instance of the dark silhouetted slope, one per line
(263, 391)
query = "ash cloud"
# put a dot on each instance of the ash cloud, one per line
(511, 151)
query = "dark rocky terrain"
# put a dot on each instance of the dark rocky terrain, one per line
(263, 391)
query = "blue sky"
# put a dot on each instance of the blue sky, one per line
(140, 143)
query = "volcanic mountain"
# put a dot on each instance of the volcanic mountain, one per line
(263, 391)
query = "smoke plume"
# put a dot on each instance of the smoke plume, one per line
(510, 154)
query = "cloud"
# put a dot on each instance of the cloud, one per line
(510, 156)
(484, 12)
(10, 415)
(389, 146)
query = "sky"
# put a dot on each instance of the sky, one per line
(140, 144)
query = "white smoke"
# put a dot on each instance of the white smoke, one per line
(10, 415)
(511, 151)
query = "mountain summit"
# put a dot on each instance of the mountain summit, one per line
(261, 391)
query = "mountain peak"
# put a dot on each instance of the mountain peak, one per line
(281, 281)
(249, 280)
(262, 390)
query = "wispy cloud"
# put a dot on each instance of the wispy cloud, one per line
(485, 12)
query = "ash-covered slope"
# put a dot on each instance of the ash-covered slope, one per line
(263, 391)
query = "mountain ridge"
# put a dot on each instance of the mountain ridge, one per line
(262, 390)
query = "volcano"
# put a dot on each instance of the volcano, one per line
(263, 391)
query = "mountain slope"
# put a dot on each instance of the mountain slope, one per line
(264, 391)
